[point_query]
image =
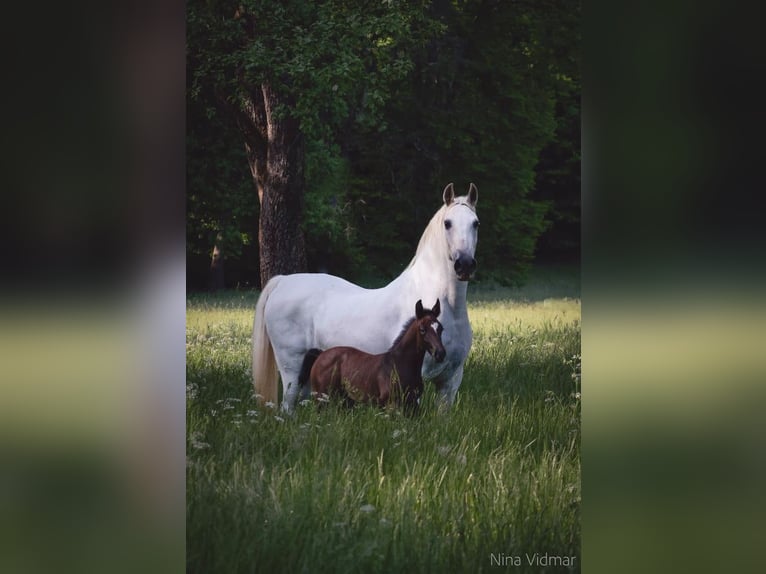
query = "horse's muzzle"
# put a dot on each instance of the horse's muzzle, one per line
(465, 267)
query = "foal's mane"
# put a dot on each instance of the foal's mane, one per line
(405, 328)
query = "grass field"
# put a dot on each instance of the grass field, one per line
(371, 491)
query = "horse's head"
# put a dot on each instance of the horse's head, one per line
(461, 227)
(430, 330)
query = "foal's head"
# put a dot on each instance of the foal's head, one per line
(430, 330)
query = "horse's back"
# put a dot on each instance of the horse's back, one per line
(304, 294)
(339, 358)
(328, 368)
(350, 372)
(321, 310)
(312, 284)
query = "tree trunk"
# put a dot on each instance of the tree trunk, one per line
(216, 270)
(275, 151)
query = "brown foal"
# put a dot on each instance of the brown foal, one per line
(391, 377)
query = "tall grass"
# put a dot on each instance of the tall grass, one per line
(366, 490)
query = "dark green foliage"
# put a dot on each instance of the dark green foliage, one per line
(558, 171)
(332, 244)
(396, 100)
(479, 107)
(221, 206)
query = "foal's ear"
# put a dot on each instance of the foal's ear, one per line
(419, 309)
(449, 194)
(473, 195)
(437, 309)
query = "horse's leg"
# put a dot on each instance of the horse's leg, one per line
(449, 389)
(289, 370)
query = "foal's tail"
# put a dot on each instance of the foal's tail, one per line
(308, 362)
(264, 363)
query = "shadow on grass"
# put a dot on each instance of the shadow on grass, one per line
(544, 282)
(233, 299)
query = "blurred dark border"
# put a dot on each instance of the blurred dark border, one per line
(673, 287)
(93, 141)
(92, 300)
(673, 117)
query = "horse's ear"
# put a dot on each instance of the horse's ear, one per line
(449, 194)
(473, 195)
(419, 309)
(437, 309)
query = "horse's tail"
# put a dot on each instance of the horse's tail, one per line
(308, 362)
(264, 363)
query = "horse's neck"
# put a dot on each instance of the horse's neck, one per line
(432, 278)
(407, 354)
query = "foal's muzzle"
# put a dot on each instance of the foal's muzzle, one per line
(439, 355)
(464, 267)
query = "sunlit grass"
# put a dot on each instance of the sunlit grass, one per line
(370, 491)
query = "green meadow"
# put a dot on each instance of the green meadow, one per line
(493, 482)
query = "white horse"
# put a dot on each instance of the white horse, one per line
(303, 311)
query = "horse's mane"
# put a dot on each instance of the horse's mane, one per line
(405, 328)
(400, 336)
(436, 226)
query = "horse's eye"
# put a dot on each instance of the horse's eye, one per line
(447, 224)
(476, 224)
(422, 331)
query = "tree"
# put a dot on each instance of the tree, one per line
(479, 106)
(558, 169)
(221, 206)
(390, 102)
(293, 70)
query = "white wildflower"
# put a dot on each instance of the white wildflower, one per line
(196, 442)
(367, 508)
(278, 418)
